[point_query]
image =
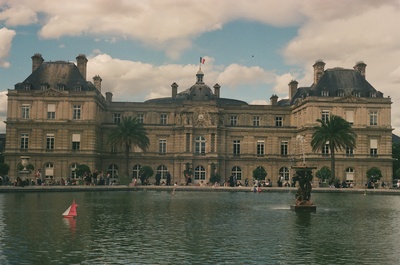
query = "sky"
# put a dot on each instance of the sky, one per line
(252, 48)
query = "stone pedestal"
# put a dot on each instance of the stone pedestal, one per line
(303, 208)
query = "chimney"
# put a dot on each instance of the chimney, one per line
(274, 100)
(360, 67)
(217, 90)
(97, 82)
(109, 96)
(318, 70)
(174, 89)
(37, 61)
(81, 62)
(292, 88)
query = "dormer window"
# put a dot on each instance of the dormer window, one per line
(357, 94)
(61, 87)
(372, 94)
(44, 87)
(324, 93)
(340, 93)
(78, 88)
(27, 87)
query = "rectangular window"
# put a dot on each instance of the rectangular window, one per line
(373, 147)
(236, 147)
(50, 141)
(24, 141)
(162, 144)
(349, 151)
(117, 117)
(350, 116)
(284, 148)
(163, 119)
(340, 93)
(27, 87)
(76, 112)
(278, 121)
(188, 142)
(233, 120)
(76, 141)
(25, 111)
(260, 148)
(140, 118)
(325, 115)
(373, 118)
(256, 121)
(51, 111)
(325, 150)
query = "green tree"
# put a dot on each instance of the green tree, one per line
(324, 173)
(259, 173)
(129, 133)
(81, 170)
(4, 168)
(396, 159)
(145, 173)
(337, 133)
(374, 174)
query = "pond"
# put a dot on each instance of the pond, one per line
(210, 227)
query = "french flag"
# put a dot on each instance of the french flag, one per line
(202, 60)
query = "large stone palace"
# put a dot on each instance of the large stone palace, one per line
(60, 120)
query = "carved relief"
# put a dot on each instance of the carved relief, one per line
(50, 93)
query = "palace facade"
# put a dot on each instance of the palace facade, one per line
(60, 120)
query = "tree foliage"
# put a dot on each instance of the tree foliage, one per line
(259, 173)
(337, 133)
(4, 168)
(81, 170)
(374, 174)
(146, 172)
(324, 173)
(129, 133)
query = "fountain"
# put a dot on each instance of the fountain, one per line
(304, 176)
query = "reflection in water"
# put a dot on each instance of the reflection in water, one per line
(148, 227)
(70, 224)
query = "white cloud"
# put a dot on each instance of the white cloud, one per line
(6, 37)
(235, 75)
(129, 80)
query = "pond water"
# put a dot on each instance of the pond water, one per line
(153, 227)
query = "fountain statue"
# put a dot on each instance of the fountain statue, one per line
(304, 178)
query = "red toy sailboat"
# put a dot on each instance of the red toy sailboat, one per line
(71, 211)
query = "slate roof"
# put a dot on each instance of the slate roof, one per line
(339, 80)
(198, 92)
(56, 74)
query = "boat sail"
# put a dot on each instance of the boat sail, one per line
(71, 211)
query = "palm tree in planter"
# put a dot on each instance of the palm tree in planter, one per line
(335, 132)
(129, 133)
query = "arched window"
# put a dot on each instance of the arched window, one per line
(284, 172)
(49, 170)
(199, 173)
(350, 174)
(162, 170)
(73, 168)
(135, 171)
(113, 171)
(200, 145)
(236, 171)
